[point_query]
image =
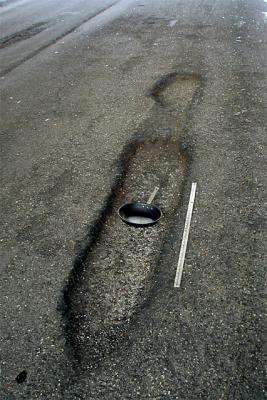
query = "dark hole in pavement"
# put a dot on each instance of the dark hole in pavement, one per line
(22, 376)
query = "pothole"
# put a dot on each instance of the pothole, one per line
(175, 91)
(116, 276)
(113, 275)
(22, 35)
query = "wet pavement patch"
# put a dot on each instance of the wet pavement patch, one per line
(22, 35)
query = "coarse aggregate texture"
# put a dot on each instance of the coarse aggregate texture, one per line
(184, 77)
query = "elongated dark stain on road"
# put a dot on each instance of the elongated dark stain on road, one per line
(113, 272)
(23, 34)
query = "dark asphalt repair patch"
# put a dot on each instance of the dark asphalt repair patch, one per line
(113, 270)
(22, 35)
(21, 377)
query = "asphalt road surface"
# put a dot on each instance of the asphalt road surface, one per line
(101, 101)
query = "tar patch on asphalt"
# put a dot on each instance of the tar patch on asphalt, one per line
(21, 377)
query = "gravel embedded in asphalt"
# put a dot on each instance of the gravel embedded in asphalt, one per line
(67, 115)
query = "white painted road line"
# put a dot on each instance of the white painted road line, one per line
(180, 266)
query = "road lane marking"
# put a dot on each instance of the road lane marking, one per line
(180, 266)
